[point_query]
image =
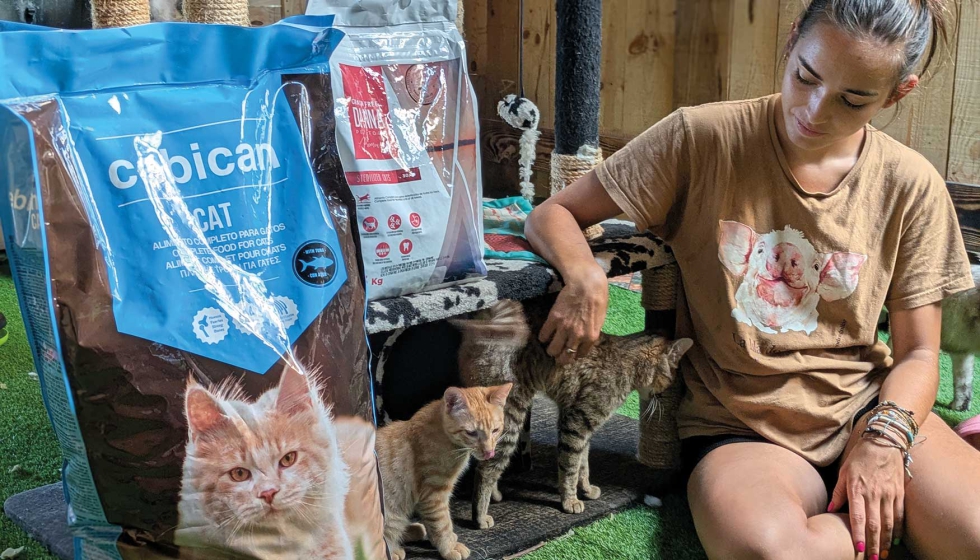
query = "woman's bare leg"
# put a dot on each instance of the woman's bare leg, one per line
(758, 501)
(942, 501)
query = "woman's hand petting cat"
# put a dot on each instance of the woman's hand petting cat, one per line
(576, 319)
(872, 481)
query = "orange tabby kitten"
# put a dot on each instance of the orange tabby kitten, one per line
(423, 457)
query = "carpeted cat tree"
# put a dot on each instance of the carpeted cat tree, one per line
(577, 75)
(577, 86)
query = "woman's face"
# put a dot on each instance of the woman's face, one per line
(834, 84)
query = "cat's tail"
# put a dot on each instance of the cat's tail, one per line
(503, 324)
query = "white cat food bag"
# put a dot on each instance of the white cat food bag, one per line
(408, 135)
(179, 232)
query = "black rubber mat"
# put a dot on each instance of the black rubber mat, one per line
(530, 513)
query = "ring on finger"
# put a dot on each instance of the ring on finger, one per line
(571, 350)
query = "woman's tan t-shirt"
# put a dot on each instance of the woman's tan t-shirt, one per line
(784, 287)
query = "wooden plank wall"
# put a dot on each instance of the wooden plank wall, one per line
(964, 139)
(662, 54)
(292, 7)
(264, 12)
(658, 55)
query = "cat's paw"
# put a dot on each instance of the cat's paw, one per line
(572, 505)
(496, 497)
(459, 552)
(961, 402)
(591, 492)
(398, 554)
(486, 522)
(414, 532)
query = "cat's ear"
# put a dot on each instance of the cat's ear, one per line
(498, 395)
(294, 392)
(204, 414)
(677, 351)
(455, 401)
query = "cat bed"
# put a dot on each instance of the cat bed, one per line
(619, 250)
(529, 515)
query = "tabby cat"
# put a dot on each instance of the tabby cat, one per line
(422, 459)
(501, 345)
(260, 474)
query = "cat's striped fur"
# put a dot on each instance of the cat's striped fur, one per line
(500, 345)
(422, 459)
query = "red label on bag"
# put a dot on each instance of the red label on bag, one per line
(355, 178)
(373, 135)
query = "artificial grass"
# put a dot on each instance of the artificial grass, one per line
(625, 316)
(27, 442)
(29, 453)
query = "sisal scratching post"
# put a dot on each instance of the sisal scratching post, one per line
(119, 13)
(577, 74)
(659, 445)
(460, 19)
(660, 288)
(227, 12)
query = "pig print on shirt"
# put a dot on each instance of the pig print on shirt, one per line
(783, 277)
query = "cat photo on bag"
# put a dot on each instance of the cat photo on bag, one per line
(260, 472)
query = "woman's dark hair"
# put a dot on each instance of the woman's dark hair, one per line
(917, 26)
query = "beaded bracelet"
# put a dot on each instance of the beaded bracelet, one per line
(903, 413)
(893, 426)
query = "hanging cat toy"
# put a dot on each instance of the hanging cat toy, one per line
(522, 114)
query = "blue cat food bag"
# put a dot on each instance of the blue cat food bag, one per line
(180, 235)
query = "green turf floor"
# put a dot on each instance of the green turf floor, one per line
(29, 457)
